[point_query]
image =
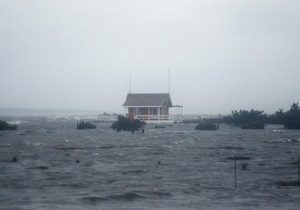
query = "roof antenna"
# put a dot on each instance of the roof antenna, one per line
(129, 89)
(169, 81)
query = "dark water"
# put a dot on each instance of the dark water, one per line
(120, 170)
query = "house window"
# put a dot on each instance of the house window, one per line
(154, 111)
(136, 111)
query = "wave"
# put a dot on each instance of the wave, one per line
(83, 148)
(97, 147)
(93, 199)
(278, 131)
(159, 194)
(129, 196)
(285, 141)
(17, 122)
(33, 144)
(227, 147)
(38, 167)
(138, 171)
(6, 161)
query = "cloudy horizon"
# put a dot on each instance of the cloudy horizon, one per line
(222, 55)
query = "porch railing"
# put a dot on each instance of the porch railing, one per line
(159, 118)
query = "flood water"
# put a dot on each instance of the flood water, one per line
(121, 170)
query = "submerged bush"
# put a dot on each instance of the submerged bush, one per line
(126, 124)
(6, 126)
(85, 125)
(206, 125)
(253, 119)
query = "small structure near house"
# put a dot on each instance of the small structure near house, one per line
(151, 108)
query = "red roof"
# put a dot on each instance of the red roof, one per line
(148, 100)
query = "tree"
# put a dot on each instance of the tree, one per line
(253, 119)
(291, 118)
(276, 118)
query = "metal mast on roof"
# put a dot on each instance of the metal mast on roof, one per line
(169, 82)
(129, 89)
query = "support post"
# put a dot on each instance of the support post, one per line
(235, 172)
(298, 170)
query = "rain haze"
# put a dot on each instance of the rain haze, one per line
(222, 55)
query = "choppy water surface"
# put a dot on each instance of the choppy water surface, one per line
(120, 170)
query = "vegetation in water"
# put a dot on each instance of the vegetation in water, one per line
(253, 119)
(126, 124)
(6, 126)
(290, 119)
(207, 125)
(85, 125)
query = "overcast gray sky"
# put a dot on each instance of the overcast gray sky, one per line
(223, 55)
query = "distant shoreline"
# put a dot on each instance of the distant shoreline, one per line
(44, 112)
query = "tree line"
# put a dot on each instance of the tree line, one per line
(256, 119)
